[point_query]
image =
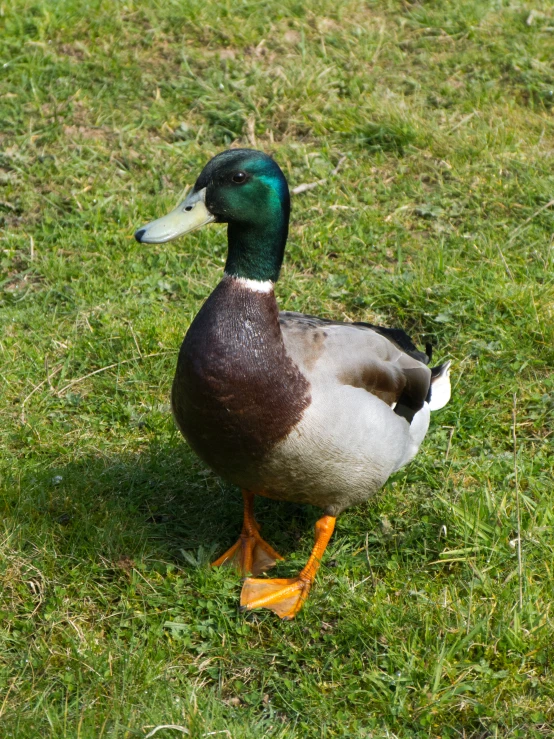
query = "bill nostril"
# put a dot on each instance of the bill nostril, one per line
(188, 208)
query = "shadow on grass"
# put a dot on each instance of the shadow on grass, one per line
(153, 505)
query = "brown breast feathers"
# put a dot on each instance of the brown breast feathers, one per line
(236, 392)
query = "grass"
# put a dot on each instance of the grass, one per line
(423, 622)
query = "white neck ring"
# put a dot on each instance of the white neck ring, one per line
(258, 286)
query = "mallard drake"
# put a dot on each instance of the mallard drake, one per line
(286, 405)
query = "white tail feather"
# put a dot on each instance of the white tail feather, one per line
(440, 388)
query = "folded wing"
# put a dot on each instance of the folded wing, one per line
(384, 362)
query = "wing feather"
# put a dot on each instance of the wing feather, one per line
(383, 361)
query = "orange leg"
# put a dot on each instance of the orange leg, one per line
(285, 597)
(250, 554)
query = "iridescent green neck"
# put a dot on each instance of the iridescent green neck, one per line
(258, 223)
(255, 251)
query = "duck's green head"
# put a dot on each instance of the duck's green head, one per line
(247, 190)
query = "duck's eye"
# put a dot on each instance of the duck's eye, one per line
(239, 177)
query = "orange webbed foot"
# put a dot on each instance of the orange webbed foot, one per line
(284, 597)
(250, 554)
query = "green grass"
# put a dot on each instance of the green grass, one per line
(440, 219)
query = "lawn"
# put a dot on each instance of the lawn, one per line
(429, 128)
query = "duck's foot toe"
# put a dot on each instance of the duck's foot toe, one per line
(284, 597)
(249, 555)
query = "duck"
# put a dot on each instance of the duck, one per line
(285, 405)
